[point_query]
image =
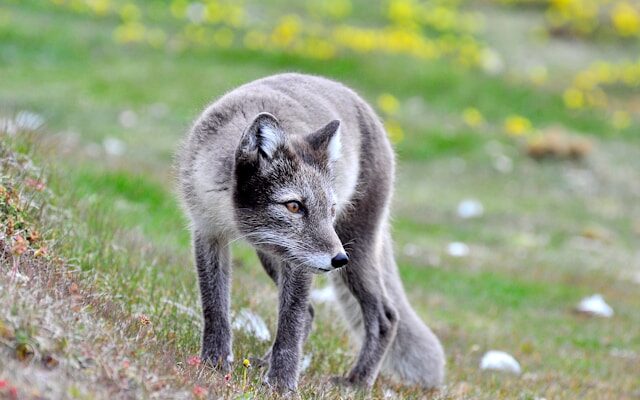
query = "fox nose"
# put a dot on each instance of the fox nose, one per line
(339, 260)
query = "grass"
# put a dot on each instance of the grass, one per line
(552, 232)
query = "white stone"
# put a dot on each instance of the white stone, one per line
(470, 208)
(495, 360)
(195, 12)
(20, 278)
(251, 324)
(503, 164)
(492, 62)
(390, 394)
(29, 121)
(305, 362)
(411, 250)
(8, 126)
(184, 309)
(114, 147)
(128, 119)
(457, 249)
(23, 121)
(595, 305)
(323, 295)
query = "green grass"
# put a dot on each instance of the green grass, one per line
(142, 202)
(530, 259)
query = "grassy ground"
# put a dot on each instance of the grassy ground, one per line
(552, 232)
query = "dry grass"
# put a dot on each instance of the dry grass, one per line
(62, 335)
(556, 143)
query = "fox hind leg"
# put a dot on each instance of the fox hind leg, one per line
(377, 322)
(366, 305)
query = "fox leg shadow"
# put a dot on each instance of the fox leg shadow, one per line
(273, 268)
(213, 264)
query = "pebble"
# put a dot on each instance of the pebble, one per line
(495, 360)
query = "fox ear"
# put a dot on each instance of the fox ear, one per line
(327, 139)
(263, 135)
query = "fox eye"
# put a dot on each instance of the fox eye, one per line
(293, 206)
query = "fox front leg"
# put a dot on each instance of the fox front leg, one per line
(273, 268)
(213, 265)
(294, 285)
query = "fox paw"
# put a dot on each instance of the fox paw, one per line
(348, 383)
(220, 362)
(283, 387)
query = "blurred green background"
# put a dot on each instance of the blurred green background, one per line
(516, 126)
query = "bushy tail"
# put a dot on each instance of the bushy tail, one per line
(416, 356)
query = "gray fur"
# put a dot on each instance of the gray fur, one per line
(304, 138)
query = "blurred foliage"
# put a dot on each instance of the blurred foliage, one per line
(589, 18)
(422, 30)
(316, 29)
(613, 20)
(589, 87)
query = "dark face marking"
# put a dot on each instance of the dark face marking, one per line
(284, 202)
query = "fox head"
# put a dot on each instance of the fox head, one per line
(283, 198)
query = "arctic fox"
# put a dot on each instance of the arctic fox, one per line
(299, 165)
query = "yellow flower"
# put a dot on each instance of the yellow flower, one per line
(254, 40)
(213, 13)
(573, 98)
(318, 48)
(620, 120)
(338, 9)
(626, 19)
(472, 117)
(41, 252)
(144, 320)
(246, 363)
(388, 103)
(517, 125)
(539, 75)
(596, 98)
(401, 11)
(235, 16)
(129, 32)
(156, 37)
(130, 12)
(178, 8)
(287, 30)
(358, 39)
(394, 129)
(223, 37)
(99, 7)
